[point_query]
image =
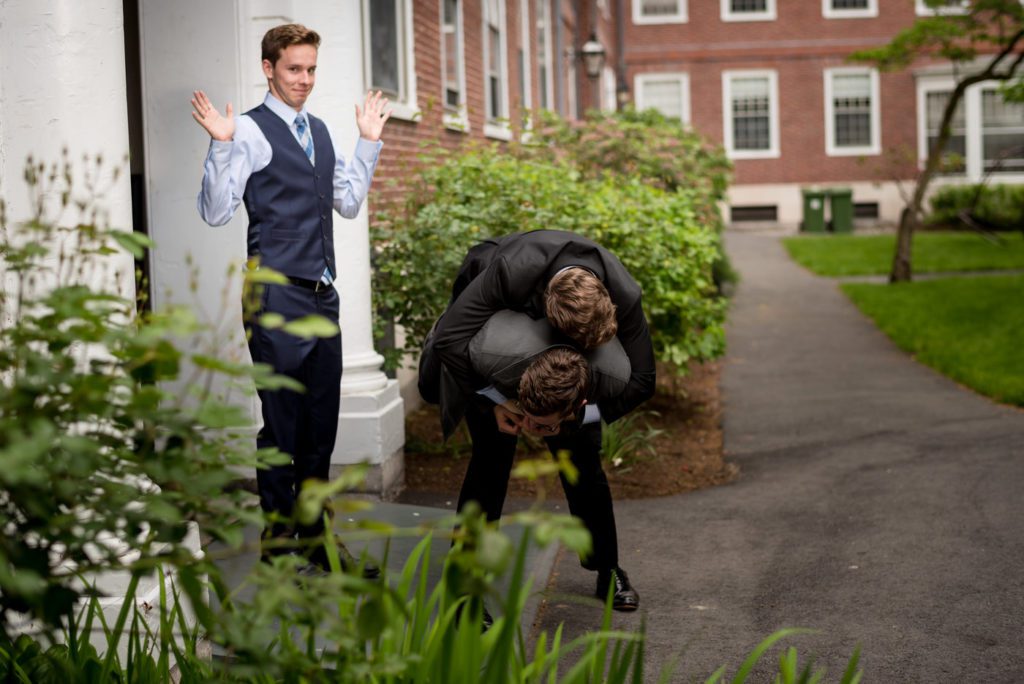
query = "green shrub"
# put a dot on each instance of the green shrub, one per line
(461, 198)
(105, 467)
(998, 207)
(645, 146)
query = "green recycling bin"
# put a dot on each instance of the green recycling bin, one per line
(841, 207)
(814, 211)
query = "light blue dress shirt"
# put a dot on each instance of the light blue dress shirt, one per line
(230, 163)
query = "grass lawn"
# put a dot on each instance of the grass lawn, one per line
(839, 255)
(969, 328)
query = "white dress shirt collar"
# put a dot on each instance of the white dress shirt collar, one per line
(286, 113)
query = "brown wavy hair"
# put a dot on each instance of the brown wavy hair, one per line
(280, 37)
(577, 303)
(556, 382)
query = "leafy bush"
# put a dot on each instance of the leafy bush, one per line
(104, 468)
(629, 439)
(998, 207)
(645, 146)
(483, 192)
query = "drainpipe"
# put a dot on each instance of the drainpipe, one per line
(621, 85)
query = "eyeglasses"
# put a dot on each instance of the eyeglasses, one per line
(544, 427)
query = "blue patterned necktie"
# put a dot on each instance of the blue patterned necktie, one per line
(305, 139)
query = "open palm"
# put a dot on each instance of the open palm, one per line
(372, 117)
(206, 115)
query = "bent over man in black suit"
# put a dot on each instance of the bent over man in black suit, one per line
(586, 293)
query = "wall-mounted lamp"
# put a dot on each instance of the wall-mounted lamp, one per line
(592, 53)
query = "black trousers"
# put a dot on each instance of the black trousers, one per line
(590, 499)
(303, 425)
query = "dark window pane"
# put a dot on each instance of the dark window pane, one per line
(749, 5)
(384, 47)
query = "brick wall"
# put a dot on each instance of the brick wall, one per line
(799, 45)
(403, 138)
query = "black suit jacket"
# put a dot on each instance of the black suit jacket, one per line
(501, 352)
(512, 272)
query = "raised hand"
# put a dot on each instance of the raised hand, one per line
(372, 117)
(206, 115)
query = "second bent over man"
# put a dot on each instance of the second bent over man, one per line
(589, 299)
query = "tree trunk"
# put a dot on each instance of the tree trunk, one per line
(901, 271)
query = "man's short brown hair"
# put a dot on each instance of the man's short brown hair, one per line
(280, 37)
(577, 303)
(555, 383)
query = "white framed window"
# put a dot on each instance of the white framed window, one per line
(852, 118)
(453, 66)
(849, 9)
(748, 10)
(525, 72)
(987, 133)
(495, 70)
(388, 54)
(659, 11)
(944, 7)
(545, 56)
(669, 93)
(1002, 132)
(750, 114)
(932, 99)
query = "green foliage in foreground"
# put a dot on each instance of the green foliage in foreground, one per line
(668, 239)
(966, 328)
(847, 255)
(998, 207)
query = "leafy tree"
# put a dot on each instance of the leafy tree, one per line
(991, 31)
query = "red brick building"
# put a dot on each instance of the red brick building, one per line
(766, 78)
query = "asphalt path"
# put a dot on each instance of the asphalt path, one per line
(878, 503)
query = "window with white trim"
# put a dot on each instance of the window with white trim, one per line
(495, 70)
(667, 93)
(545, 69)
(750, 103)
(453, 72)
(659, 11)
(748, 10)
(987, 132)
(852, 112)
(955, 155)
(849, 9)
(1002, 133)
(943, 7)
(387, 31)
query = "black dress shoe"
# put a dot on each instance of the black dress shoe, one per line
(625, 597)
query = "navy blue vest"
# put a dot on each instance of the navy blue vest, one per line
(290, 203)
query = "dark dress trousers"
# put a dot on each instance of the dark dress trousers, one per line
(499, 354)
(291, 230)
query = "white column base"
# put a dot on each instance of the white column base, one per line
(371, 429)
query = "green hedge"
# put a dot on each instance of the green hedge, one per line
(999, 207)
(669, 240)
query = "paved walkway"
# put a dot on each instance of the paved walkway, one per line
(878, 503)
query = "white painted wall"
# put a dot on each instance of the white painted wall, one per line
(788, 199)
(62, 85)
(188, 45)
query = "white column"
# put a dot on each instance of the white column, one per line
(371, 426)
(62, 84)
